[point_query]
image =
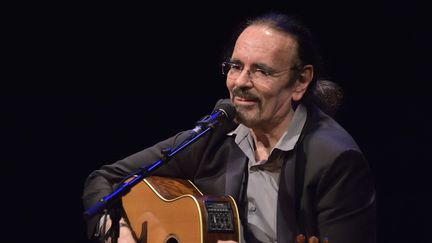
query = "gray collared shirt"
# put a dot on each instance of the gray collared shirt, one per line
(263, 179)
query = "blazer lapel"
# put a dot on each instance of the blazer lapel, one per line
(286, 213)
(235, 170)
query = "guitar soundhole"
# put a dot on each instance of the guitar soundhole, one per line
(171, 239)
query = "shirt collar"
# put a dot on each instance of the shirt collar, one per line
(290, 136)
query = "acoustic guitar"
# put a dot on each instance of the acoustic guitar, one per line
(171, 210)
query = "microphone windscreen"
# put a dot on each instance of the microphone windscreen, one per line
(227, 107)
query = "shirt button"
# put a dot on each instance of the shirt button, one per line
(252, 209)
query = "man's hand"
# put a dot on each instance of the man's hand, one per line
(125, 235)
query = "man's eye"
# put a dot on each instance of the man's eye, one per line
(262, 72)
(236, 67)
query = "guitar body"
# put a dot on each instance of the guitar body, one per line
(170, 210)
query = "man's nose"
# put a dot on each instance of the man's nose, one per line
(245, 78)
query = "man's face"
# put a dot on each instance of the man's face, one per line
(261, 86)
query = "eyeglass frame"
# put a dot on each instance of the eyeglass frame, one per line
(252, 73)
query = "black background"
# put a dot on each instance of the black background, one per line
(86, 85)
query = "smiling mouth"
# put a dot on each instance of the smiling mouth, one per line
(244, 101)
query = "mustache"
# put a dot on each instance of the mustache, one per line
(244, 94)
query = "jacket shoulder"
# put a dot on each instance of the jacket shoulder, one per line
(325, 140)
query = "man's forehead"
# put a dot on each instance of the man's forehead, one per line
(259, 41)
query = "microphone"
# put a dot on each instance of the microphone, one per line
(224, 111)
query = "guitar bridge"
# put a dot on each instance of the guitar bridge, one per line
(219, 217)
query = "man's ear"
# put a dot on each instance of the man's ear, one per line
(302, 82)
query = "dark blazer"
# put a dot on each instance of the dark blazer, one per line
(325, 189)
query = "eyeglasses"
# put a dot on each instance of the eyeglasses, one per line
(233, 70)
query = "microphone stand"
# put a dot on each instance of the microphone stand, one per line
(206, 124)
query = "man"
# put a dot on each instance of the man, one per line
(291, 168)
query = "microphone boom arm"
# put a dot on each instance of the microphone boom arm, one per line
(203, 126)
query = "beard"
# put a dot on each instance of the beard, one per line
(248, 116)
